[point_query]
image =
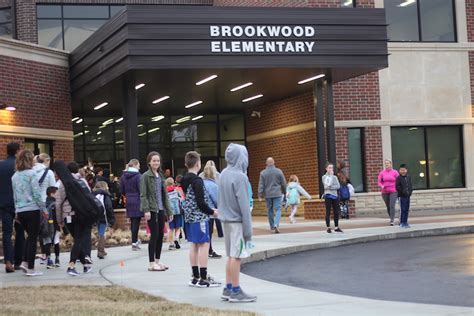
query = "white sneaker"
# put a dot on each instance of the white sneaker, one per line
(33, 273)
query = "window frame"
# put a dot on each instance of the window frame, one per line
(363, 157)
(11, 22)
(418, 14)
(426, 146)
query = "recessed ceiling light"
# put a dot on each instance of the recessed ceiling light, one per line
(142, 134)
(79, 121)
(153, 130)
(119, 142)
(161, 99)
(407, 3)
(119, 120)
(193, 104)
(183, 119)
(347, 3)
(118, 131)
(138, 86)
(245, 85)
(140, 125)
(157, 118)
(75, 119)
(10, 108)
(78, 134)
(99, 132)
(175, 124)
(197, 118)
(102, 126)
(253, 98)
(100, 106)
(108, 122)
(311, 79)
(86, 132)
(206, 80)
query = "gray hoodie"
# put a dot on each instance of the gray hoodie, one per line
(233, 200)
(331, 184)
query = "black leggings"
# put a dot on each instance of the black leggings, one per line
(82, 241)
(220, 232)
(334, 204)
(135, 227)
(31, 223)
(157, 227)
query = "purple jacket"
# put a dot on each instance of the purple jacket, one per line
(130, 186)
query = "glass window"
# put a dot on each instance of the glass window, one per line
(437, 20)
(48, 11)
(86, 12)
(356, 158)
(433, 155)
(232, 127)
(77, 31)
(420, 20)
(6, 23)
(348, 3)
(50, 33)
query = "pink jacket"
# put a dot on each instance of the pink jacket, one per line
(387, 180)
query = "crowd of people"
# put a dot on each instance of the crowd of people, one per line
(72, 200)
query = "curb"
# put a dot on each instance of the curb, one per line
(267, 254)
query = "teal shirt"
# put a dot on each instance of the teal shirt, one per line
(27, 192)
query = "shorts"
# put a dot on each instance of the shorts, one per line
(235, 246)
(198, 233)
(177, 222)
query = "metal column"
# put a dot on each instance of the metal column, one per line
(130, 118)
(330, 129)
(320, 132)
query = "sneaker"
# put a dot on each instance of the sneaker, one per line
(33, 273)
(72, 272)
(209, 282)
(50, 264)
(56, 263)
(391, 223)
(214, 255)
(225, 296)
(87, 269)
(43, 260)
(407, 226)
(329, 230)
(88, 260)
(177, 245)
(23, 268)
(338, 230)
(172, 247)
(194, 282)
(135, 247)
(276, 230)
(241, 297)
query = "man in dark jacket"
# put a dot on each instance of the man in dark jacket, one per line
(7, 211)
(404, 190)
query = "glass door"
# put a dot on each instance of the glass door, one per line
(39, 146)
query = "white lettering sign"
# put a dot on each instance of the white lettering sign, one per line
(262, 39)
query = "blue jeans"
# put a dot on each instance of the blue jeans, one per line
(14, 255)
(274, 211)
(404, 208)
(101, 227)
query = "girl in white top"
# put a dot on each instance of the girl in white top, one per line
(293, 192)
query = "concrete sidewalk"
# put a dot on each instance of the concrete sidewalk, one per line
(273, 298)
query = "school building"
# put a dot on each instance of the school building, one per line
(302, 81)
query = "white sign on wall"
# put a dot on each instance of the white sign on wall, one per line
(258, 39)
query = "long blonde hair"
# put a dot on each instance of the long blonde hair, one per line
(210, 170)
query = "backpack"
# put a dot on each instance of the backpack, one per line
(192, 213)
(344, 192)
(293, 196)
(86, 206)
(175, 202)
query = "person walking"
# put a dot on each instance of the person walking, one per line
(387, 182)
(404, 191)
(176, 200)
(331, 199)
(12, 255)
(272, 186)
(130, 187)
(154, 203)
(293, 192)
(210, 179)
(107, 218)
(29, 207)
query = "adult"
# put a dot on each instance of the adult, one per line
(272, 187)
(167, 173)
(28, 207)
(387, 180)
(331, 198)
(12, 256)
(210, 183)
(81, 232)
(155, 204)
(45, 176)
(130, 187)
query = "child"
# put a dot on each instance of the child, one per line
(293, 192)
(177, 222)
(196, 215)
(404, 191)
(237, 219)
(51, 229)
(331, 199)
(101, 191)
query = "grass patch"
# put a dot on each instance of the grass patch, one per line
(95, 300)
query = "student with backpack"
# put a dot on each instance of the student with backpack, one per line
(404, 191)
(154, 202)
(175, 225)
(107, 217)
(50, 231)
(196, 215)
(78, 210)
(293, 192)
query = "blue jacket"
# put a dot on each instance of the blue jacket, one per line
(212, 190)
(7, 169)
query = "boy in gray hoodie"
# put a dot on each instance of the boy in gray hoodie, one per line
(234, 212)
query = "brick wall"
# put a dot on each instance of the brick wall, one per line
(470, 20)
